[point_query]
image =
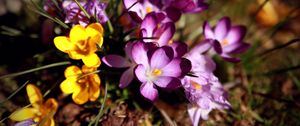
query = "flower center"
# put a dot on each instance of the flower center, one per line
(155, 72)
(196, 85)
(148, 9)
(225, 42)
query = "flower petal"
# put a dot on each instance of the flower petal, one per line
(172, 69)
(95, 31)
(217, 46)
(78, 34)
(148, 90)
(75, 55)
(128, 48)
(238, 47)
(72, 71)
(201, 47)
(161, 57)
(34, 95)
(69, 85)
(166, 34)
(27, 122)
(140, 73)
(91, 60)
(23, 114)
(195, 114)
(222, 28)
(179, 48)
(149, 24)
(94, 89)
(126, 78)
(229, 58)
(115, 61)
(167, 82)
(52, 105)
(236, 34)
(208, 33)
(81, 96)
(139, 53)
(63, 44)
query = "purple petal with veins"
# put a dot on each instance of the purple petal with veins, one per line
(167, 82)
(222, 28)
(179, 49)
(161, 57)
(115, 61)
(140, 72)
(208, 33)
(126, 78)
(236, 34)
(148, 90)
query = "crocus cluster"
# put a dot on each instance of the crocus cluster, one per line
(39, 111)
(158, 61)
(153, 57)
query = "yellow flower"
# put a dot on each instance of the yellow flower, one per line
(41, 112)
(84, 85)
(82, 43)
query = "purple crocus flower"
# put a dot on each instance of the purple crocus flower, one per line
(188, 6)
(158, 68)
(226, 39)
(203, 90)
(27, 122)
(158, 32)
(74, 14)
(138, 9)
(118, 61)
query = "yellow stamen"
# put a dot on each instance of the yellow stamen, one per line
(196, 85)
(156, 72)
(148, 9)
(170, 42)
(225, 42)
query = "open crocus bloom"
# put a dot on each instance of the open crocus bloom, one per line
(188, 6)
(83, 84)
(82, 43)
(226, 39)
(75, 15)
(40, 112)
(203, 90)
(118, 61)
(138, 9)
(158, 68)
(156, 31)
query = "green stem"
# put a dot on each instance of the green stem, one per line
(36, 69)
(82, 9)
(15, 92)
(96, 121)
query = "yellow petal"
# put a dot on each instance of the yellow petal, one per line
(52, 105)
(47, 121)
(52, 123)
(69, 85)
(75, 55)
(81, 96)
(63, 44)
(23, 114)
(94, 28)
(77, 34)
(95, 79)
(94, 89)
(72, 71)
(91, 60)
(34, 95)
(95, 33)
